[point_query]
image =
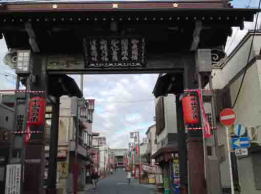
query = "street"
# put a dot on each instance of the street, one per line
(117, 184)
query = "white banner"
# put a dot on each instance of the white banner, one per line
(13, 179)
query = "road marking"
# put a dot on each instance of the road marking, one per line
(122, 183)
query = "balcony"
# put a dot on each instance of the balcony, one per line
(80, 149)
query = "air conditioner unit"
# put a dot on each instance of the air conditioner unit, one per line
(254, 133)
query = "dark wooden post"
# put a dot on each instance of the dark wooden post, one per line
(54, 133)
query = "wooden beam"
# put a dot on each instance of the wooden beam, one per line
(32, 37)
(196, 36)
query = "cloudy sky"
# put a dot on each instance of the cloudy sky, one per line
(124, 103)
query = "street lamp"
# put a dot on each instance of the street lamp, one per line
(136, 136)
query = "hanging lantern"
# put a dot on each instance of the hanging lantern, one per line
(37, 111)
(190, 109)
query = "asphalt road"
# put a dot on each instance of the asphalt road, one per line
(118, 184)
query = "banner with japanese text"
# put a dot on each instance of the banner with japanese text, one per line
(114, 52)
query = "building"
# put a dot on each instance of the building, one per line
(152, 169)
(74, 143)
(152, 143)
(102, 155)
(6, 125)
(238, 85)
(104, 162)
(166, 138)
(143, 151)
(119, 157)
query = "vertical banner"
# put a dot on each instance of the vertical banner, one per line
(13, 179)
(205, 124)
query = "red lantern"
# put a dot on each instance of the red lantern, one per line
(190, 110)
(37, 111)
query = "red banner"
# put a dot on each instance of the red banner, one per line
(205, 124)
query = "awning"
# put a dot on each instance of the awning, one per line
(165, 150)
(60, 85)
(168, 83)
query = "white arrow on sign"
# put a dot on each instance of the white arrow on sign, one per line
(237, 142)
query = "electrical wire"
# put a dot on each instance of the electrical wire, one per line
(248, 58)
(8, 75)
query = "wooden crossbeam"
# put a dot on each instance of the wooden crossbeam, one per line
(32, 37)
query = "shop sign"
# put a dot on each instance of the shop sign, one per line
(176, 174)
(61, 154)
(13, 179)
(114, 52)
(149, 169)
(63, 169)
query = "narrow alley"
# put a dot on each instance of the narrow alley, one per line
(117, 183)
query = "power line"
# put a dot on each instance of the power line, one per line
(248, 58)
(8, 75)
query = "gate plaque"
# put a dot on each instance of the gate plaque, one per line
(114, 52)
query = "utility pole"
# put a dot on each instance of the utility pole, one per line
(138, 134)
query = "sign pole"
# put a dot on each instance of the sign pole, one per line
(229, 160)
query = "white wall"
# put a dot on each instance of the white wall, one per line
(66, 130)
(143, 148)
(104, 154)
(248, 106)
(6, 117)
(236, 61)
(153, 137)
(170, 115)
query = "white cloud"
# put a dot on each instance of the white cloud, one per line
(124, 103)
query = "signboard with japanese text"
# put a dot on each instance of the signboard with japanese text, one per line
(114, 52)
(63, 168)
(13, 179)
(241, 152)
